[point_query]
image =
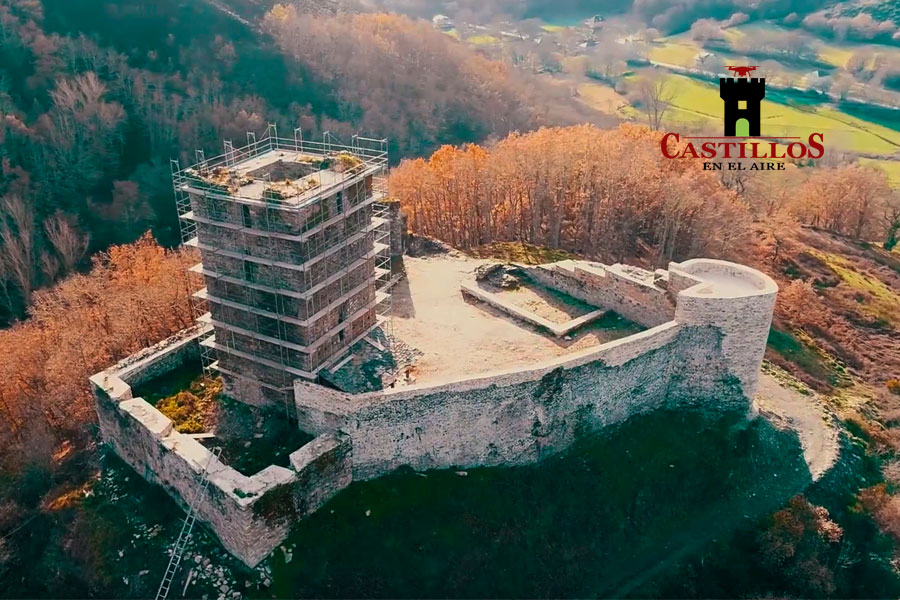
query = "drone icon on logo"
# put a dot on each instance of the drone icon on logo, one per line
(742, 71)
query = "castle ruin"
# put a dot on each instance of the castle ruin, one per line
(296, 241)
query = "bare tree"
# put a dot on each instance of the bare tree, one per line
(654, 92)
(608, 61)
(68, 242)
(842, 84)
(17, 244)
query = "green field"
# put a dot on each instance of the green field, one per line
(553, 28)
(681, 52)
(830, 52)
(697, 103)
(601, 97)
(890, 167)
(483, 40)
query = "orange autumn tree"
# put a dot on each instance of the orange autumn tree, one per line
(604, 193)
(134, 296)
(852, 200)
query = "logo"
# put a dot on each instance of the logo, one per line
(742, 141)
(742, 99)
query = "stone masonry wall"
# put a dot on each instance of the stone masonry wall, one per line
(249, 515)
(640, 301)
(398, 220)
(513, 417)
(736, 300)
(707, 358)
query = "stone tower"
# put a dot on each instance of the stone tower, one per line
(742, 98)
(295, 257)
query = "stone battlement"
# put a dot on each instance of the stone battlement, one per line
(740, 88)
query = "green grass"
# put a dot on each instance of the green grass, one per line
(828, 52)
(681, 53)
(837, 54)
(553, 28)
(601, 97)
(794, 349)
(575, 525)
(878, 299)
(891, 168)
(483, 40)
(581, 524)
(171, 383)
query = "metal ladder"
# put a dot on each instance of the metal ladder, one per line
(185, 535)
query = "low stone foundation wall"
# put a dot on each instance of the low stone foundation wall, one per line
(249, 515)
(557, 329)
(632, 293)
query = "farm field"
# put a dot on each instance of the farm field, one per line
(483, 40)
(697, 105)
(552, 28)
(684, 52)
(890, 167)
(681, 49)
(602, 97)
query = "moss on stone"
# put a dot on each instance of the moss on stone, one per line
(193, 410)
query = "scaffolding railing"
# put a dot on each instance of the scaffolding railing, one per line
(371, 153)
(384, 308)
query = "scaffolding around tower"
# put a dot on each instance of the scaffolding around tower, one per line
(294, 239)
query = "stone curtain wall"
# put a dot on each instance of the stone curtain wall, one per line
(705, 358)
(249, 515)
(520, 417)
(736, 299)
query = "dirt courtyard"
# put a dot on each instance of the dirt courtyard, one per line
(458, 336)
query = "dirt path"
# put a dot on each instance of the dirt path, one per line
(804, 414)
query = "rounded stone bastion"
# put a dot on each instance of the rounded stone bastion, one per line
(737, 300)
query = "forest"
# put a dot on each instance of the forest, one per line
(95, 101)
(91, 111)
